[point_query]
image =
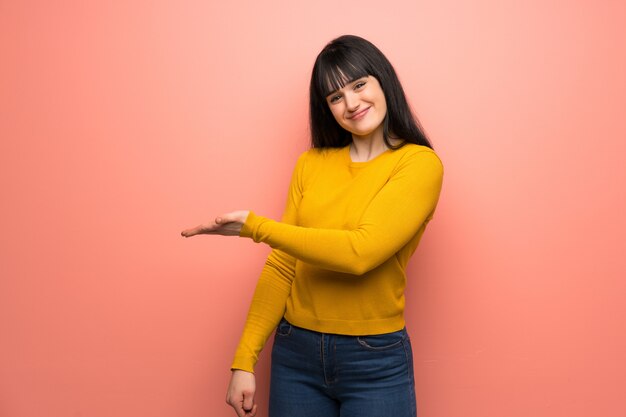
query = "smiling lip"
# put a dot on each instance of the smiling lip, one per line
(359, 115)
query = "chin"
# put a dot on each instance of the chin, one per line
(364, 132)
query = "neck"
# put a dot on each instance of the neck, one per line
(366, 147)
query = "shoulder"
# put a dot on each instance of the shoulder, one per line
(319, 156)
(418, 157)
(411, 149)
(315, 160)
(321, 153)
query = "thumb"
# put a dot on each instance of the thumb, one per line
(248, 400)
(224, 218)
(233, 216)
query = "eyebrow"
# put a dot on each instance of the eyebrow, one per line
(347, 83)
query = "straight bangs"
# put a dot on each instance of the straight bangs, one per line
(336, 68)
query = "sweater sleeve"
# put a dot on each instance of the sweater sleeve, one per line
(272, 290)
(393, 216)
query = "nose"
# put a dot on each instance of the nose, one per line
(352, 102)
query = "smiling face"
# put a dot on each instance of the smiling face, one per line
(359, 106)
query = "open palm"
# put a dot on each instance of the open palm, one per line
(228, 224)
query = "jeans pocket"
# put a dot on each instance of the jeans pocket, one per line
(383, 341)
(284, 328)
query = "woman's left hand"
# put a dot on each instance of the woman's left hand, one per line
(228, 224)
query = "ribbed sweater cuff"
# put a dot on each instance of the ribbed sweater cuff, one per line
(251, 226)
(243, 363)
(247, 228)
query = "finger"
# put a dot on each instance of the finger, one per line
(200, 229)
(239, 410)
(248, 401)
(253, 411)
(191, 232)
(237, 405)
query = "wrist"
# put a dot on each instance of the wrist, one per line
(238, 371)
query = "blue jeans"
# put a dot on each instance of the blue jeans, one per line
(328, 375)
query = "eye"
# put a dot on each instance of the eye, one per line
(335, 98)
(359, 85)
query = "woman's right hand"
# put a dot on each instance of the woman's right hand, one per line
(228, 224)
(240, 393)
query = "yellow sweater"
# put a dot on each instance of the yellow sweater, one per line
(340, 253)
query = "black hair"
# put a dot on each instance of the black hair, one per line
(343, 60)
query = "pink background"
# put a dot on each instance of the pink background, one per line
(122, 123)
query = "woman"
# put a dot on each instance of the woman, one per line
(333, 286)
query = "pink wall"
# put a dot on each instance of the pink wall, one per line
(121, 123)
